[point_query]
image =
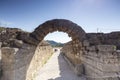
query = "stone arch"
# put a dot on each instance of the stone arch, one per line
(24, 57)
(36, 37)
(72, 29)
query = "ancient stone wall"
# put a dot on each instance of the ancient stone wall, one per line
(70, 50)
(95, 55)
(23, 63)
(42, 54)
(100, 62)
(0, 61)
(112, 38)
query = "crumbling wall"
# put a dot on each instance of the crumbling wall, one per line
(0, 61)
(94, 52)
(42, 54)
(72, 51)
(22, 63)
(112, 38)
(100, 61)
(20, 60)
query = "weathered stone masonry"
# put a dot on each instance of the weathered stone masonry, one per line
(94, 55)
(96, 61)
(23, 63)
(0, 61)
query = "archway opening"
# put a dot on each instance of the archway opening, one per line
(57, 39)
(39, 34)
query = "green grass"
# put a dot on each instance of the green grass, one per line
(45, 61)
(1, 29)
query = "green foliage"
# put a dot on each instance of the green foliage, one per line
(55, 44)
(1, 29)
(58, 45)
(46, 59)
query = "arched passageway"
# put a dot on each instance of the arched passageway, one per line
(72, 29)
(27, 58)
(96, 53)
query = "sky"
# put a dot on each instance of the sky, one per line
(91, 15)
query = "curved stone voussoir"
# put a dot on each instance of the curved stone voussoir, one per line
(63, 25)
(35, 36)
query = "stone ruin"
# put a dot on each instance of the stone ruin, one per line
(93, 55)
(19, 60)
(95, 62)
(97, 57)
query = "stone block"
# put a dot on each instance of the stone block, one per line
(106, 48)
(85, 43)
(0, 60)
(79, 69)
(96, 74)
(111, 68)
(16, 43)
(0, 44)
(8, 57)
(0, 51)
(91, 48)
(8, 60)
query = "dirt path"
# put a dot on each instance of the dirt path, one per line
(57, 69)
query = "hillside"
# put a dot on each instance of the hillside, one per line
(55, 44)
(2, 29)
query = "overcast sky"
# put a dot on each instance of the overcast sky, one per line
(91, 15)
